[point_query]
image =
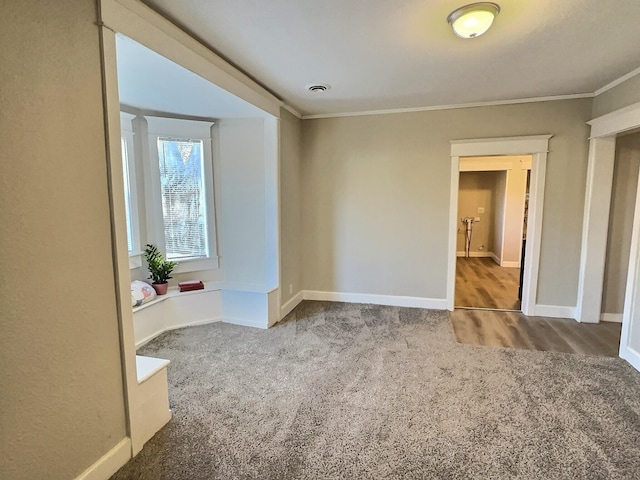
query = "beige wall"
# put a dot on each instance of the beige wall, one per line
(61, 401)
(376, 196)
(290, 206)
(623, 197)
(478, 190)
(625, 94)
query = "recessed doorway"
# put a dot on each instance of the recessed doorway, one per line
(492, 213)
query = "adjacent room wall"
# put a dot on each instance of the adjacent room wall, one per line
(290, 206)
(478, 190)
(623, 95)
(623, 197)
(376, 196)
(61, 403)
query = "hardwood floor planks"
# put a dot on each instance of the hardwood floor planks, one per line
(515, 330)
(481, 283)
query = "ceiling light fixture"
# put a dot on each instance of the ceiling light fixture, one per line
(473, 20)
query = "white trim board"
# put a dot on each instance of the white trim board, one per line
(617, 82)
(449, 107)
(554, 311)
(109, 463)
(374, 299)
(537, 146)
(477, 255)
(288, 307)
(611, 317)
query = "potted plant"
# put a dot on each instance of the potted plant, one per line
(159, 268)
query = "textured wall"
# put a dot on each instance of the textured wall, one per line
(290, 205)
(623, 198)
(61, 402)
(376, 196)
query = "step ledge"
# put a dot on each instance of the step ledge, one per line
(147, 367)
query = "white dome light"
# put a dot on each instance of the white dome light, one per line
(473, 20)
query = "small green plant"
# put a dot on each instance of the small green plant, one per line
(159, 268)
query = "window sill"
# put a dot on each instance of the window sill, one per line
(197, 265)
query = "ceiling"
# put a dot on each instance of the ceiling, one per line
(150, 82)
(393, 54)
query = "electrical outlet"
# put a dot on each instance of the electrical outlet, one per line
(291, 288)
(476, 219)
(480, 209)
(481, 247)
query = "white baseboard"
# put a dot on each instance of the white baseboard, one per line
(476, 254)
(510, 264)
(393, 300)
(147, 339)
(611, 317)
(631, 356)
(245, 323)
(554, 311)
(288, 307)
(495, 258)
(109, 463)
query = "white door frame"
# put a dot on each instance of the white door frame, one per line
(537, 146)
(604, 129)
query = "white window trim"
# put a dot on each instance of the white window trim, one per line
(126, 131)
(192, 129)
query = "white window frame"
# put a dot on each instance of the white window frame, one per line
(159, 127)
(126, 132)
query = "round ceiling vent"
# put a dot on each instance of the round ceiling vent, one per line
(318, 87)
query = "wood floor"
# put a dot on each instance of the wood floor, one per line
(482, 283)
(515, 330)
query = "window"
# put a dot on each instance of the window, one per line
(175, 193)
(130, 190)
(183, 189)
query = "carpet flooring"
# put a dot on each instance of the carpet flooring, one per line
(349, 391)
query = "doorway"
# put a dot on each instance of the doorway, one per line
(536, 147)
(492, 207)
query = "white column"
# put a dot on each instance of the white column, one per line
(630, 337)
(595, 228)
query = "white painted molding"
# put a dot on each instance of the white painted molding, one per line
(453, 231)
(288, 307)
(602, 152)
(495, 258)
(143, 341)
(510, 264)
(477, 255)
(630, 355)
(109, 463)
(537, 146)
(554, 311)
(611, 317)
(617, 82)
(246, 323)
(449, 107)
(142, 24)
(392, 300)
(622, 120)
(292, 110)
(480, 147)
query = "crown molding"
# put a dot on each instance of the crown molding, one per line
(451, 107)
(617, 82)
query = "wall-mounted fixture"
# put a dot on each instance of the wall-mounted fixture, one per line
(473, 20)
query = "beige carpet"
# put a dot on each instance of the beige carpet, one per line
(367, 392)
